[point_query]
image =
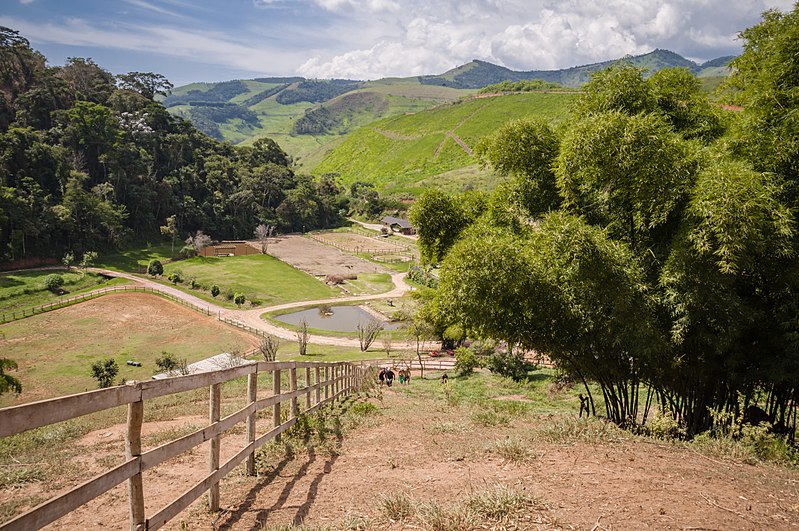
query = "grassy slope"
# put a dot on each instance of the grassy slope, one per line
(399, 154)
(276, 120)
(14, 285)
(260, 277)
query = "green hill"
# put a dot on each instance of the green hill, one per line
(303, 116)
(408, 153)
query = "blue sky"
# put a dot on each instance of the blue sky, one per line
(194, 40)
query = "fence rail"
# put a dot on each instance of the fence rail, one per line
(55, 305)
(402, 251)
(323, 384)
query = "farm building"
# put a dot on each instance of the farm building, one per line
(232, 248)
(403, 226)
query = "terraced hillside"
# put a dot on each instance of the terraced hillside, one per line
(406, 154)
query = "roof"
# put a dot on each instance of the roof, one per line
(403, 223)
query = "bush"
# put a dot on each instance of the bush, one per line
(214, 290)
(53, 282)
(166, 362)
(229, 294)
(239, 299)
(465, 361)
(105, 371)
(155, 268)
(512, 366)
(175, 277)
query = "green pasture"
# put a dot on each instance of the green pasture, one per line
(136, 258)
(399, 153)
(55, 350)
(25, 289)
(259, 277)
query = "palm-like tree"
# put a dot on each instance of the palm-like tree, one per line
(7, 382)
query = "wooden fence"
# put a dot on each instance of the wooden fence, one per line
(330, 381)
(402, 251)
(27, 312)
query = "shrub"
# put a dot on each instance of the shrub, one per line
(105, 371)
(512, 366)
(229, 294)
(465, 361)
(155, 268)
(166, 362)
(214, 290)
(53, 282)
(239, 299)
(175, 277)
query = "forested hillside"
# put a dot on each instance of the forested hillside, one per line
(89, 160)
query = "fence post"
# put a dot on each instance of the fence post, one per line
(327, 382)
(317, 380)
(213, 453)
(252, 395)
(308, 386)
(295, 410)
(133, 450)
(276, 407)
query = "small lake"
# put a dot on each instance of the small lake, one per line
(343, 319)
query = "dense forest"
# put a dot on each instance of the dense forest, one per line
(89, 160)
(648, 246)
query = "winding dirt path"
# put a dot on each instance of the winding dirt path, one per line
(252, 317)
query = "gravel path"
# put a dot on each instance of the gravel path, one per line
(253, 319)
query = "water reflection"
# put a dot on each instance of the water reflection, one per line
(339, 318)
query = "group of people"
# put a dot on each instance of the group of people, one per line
(386, 375)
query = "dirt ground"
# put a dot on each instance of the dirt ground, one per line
(319, 259)
(433, 451)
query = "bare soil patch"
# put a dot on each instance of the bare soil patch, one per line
(319, 259)
(360, 243)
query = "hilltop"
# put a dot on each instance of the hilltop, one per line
(308, 117)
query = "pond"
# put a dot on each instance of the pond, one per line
(340, 319)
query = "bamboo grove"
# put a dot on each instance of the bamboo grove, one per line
(649, 245)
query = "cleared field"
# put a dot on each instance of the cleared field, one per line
(55, 350)
(259, 277)
(358, 243)
(319, 259)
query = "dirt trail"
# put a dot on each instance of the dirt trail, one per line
(253, 317)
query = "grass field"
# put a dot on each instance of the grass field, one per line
(137, 257)
(55, 350)
(259, 277)
(25, 289)
(402, 154)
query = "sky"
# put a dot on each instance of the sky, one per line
(217, 40)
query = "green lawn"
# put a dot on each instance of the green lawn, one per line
(369, 283)
(136, 259)
(259, 277)
(25, 289)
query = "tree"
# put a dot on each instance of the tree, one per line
(171, 229)
(105, 371)
(167, 362)
(53, 282)
(367, 332)
(175, 277)
(269, 346)
(155, 268)
(262, 234)
(439, 220)
(239, 299)
(147, 84)
(68, 260)
(525, 149)
(8, 382)
(419, 330)
(88, 259)
(214, 290)
(303, 337)
(194, 244)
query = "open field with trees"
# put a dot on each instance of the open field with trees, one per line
(262, 279)
(54, 351)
